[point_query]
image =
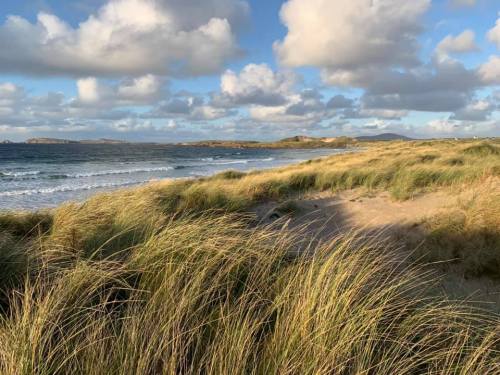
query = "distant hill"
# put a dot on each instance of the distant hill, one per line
(383, 137)
(299, 141)
(300, 138)
(102, 141)
(304, 138)
(54, 141)
(49, 141)
(6, 142)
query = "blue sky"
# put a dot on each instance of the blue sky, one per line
(171, 70)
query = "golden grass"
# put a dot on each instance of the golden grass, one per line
(403, 168)
(208, 295)
(164, 279)
(467, 235)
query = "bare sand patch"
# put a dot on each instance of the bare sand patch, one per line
(329, 214)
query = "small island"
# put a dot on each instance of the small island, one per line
(293, 142)
(57, 141)
(302, 141)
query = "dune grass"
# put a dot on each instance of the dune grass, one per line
(209, 295)
(467, 236)
(402, 168)
(173, 278)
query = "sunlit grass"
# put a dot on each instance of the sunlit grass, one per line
(173, 278)
(210, 295)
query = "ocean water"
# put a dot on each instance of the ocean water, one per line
(41, 176)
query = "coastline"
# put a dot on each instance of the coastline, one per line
(48, 182)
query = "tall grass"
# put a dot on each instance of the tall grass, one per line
(467, 235)
(209, 295)
(402, 168)
(170, 278)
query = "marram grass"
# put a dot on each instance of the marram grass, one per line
(164, 279)
(209, 295)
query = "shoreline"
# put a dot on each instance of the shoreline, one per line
(209, 167)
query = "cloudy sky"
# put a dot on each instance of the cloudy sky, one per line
(174, 70)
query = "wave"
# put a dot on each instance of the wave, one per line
(19, 174)
(118, 171)
(69, 188)
(208, 162)
(212, 162)
(228, 162)
(241, 161)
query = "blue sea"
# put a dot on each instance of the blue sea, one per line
(41, 176)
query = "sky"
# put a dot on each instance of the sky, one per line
(185, 70)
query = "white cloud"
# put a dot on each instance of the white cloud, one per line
(301, 108)
(131, 124)
(443, 126)
(141, 90)
(348, 37)
(126, 37)
(88, 90)
(462, 43)
(172, 125)
(206, 112)
(53, 111)
(490, 71)
(494, 34)
(255, 85)
(452, 127)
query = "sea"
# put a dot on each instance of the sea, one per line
(36, 176)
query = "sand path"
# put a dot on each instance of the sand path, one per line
(327, 214)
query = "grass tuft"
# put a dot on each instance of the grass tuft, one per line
(482, 149)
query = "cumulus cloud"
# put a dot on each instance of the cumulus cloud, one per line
(452, 128)
(350, 38)
(52, 111)
(443, 126)
(494, 34)
(270, 96)
(126, 37)
(188, 106)
(256, 84)
(142, 90)
(134, 124)
(373, 45)
(273, 98)
(298, 110)
(89, 90)
(490, 71)
(462, 43)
